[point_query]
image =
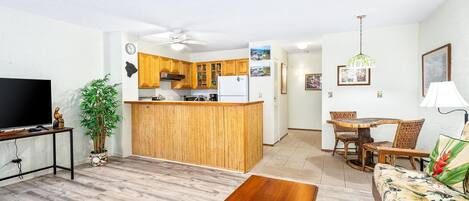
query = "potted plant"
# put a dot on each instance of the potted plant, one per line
(99, 105)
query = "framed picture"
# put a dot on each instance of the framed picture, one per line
(260, 53)
(353, 77)
(436, 66)
(313, 81)
(283, 78)
(260, 71)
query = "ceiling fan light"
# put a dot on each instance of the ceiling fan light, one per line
(302, 46)
(177, 46)
(361, 61)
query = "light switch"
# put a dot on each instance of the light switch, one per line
(329, 94)
(379, 94)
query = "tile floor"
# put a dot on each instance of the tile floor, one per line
(298, 157)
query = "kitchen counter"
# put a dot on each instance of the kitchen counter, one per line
(214, 134)
(212, 103)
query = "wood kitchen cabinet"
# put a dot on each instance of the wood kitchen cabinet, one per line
(148, 71)
(202, 80)
(215, 71)
(185, 68)
(166, 64)
(229, 68)
(242, 67)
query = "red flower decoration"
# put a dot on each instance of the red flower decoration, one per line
(440, 164)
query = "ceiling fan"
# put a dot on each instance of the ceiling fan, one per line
(177, 39)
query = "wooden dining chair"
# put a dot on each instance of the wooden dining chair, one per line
(342, 134)
(406, 137)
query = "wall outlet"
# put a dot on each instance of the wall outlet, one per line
(329, 94)
(260, 95)
(379, 94)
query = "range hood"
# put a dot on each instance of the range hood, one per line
(171, 76)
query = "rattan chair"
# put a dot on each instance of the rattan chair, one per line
(406, 137)
(345, 135)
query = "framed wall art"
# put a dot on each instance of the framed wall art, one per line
(283, 78)
(436, 66)
(313, 81)
(353, 77)
(260, 71)
(260, 53)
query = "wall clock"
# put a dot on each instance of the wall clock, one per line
(130, 48)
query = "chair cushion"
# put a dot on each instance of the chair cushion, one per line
(347, 136)
(396, 183)
(449, 162)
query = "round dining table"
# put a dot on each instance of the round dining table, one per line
(363, 126)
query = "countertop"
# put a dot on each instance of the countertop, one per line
(208, 103)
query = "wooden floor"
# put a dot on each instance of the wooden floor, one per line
(258, 188)
(296, 158)
(129, 179)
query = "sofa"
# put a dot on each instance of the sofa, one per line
(397, 183)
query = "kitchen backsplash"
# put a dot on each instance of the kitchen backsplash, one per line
(171, 94)
(166, 91)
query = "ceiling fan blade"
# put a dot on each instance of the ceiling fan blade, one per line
(195, 42)
(163, 44)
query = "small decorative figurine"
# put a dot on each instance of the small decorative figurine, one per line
(59, 121)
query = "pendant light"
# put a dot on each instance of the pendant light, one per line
(361, 60)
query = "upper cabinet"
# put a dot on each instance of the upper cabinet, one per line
(203, 75)
(215, 71)
(184, 68)
(148, 71)
(242, 67)
(166, 64)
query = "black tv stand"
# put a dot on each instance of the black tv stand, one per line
(50, 131)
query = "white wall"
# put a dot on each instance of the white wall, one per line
(267, 89)
(220, 55)
(397, 74)
(449, 24)
(71, 56)
(304, 106)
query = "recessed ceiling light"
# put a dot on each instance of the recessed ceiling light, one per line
(177, 46)
(302, 46)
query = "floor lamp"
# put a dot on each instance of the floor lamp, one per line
(445, 95)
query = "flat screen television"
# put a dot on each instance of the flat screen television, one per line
(25, 102)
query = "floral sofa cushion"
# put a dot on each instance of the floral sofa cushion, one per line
(449, 162)
(396, 183)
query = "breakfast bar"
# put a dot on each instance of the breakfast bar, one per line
(214, 134)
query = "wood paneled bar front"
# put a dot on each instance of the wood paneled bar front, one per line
(215, 134)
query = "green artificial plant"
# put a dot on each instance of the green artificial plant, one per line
(99, 115)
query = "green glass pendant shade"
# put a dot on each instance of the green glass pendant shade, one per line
(361, 60)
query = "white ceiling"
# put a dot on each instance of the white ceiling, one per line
(232, 24)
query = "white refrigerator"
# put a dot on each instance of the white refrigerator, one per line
(233, 88)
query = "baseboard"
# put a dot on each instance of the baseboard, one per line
(305, 129)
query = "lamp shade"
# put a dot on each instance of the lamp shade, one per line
(443, 94)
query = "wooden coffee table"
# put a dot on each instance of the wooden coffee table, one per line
(262, 188)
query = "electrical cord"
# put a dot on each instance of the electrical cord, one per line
(20, 171)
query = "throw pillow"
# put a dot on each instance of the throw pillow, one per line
(449, 162)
